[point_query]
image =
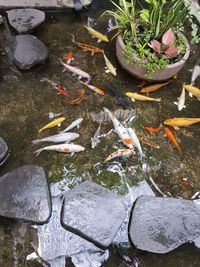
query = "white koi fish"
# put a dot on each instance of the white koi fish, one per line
(195, 74)
(57, 138)
(74, 124)
(120, 153)
(64, 148)
(135, 141)
(181, 100)
(95, 139)
(120, 130)
(109, 67)
(76, 71)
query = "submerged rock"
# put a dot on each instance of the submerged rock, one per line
(29, 51)
(160, 225)
(4, 152)
(93, 212)
(24, 20)
(25, 195)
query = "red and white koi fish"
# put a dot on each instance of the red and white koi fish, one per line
(61, 90)
(120, 153)
(75, 71)
(69, 58)
(64, 148)
(120, 130)
(135, 141)
(94, 88)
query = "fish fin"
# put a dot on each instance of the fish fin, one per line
(36, 141)
(198, 98)
(73, 74)
(175, 103)
(72, 154)
(92, 53)
(132, 99)
(79, 77)
(78, 126)
(184, 106)
(59, 124)
(190, 94)
(37, 152)
(99, 41)
(107, 71)
(176, 127)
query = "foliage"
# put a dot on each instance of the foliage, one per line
(149, 30)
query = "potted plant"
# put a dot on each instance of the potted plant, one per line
(150, 44)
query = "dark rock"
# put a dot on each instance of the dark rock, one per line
(25, 195)
(4, 152)
(160, 225)
(29, 51)
(93, 212)
(24, 20)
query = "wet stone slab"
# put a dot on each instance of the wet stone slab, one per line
(29, 51)
(160, 225)
(93, 212)
(4, 152)
(25, 195)
(40, 3)
(24, 20)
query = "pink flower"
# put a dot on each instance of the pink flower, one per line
(172, 51)
(168, 38)
(156, 46)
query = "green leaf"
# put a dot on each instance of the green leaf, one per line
(144, 15)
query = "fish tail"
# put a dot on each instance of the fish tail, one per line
(40, 130)
(73, 38)
(36, 141)
(37, 152)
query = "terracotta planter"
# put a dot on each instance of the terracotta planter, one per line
(159, 75)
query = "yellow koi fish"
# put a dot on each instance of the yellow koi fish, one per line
(94, 88)
(181, 122)
(120, 153)
(192, 90)
(135, 96)
(109, 66)
(56, 122)
(98, 35)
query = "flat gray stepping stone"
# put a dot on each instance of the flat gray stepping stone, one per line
(93, 212)
(4, 152)
(160, 225)
(29, 51)
(24, 20)
(25, 195)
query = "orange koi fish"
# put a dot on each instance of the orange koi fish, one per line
(148, 143)
(86, 47)
(94, 88)
(153, 130)
(69, 58)
(172, 138)
(120, 153)
(154, 87)
(80, 98)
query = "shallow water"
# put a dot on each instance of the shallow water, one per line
(25, 103)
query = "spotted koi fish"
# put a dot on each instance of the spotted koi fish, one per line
(69, 58)
(94, 88)
(120, 153)
(86, 47)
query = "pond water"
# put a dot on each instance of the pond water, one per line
(25, 103)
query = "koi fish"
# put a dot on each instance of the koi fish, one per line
(135, 96)
(181, 100)
(79, 99)
(172, 138)
(86, 47)
(95, 139)
(120, 153)
(120, 130)
(64, 148)
(192, 90)
(96, 34)
(121, 99)
(154, 87)
(55, 122)
(57, 138)
(195, 73)
(94, 88)
(135, 141)
(181, 122)
(109, 67)
(69, 58)
(153, 130)
(150, 144)
(55, 86)
(53, 115)
(75, 71)
(74, 124)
